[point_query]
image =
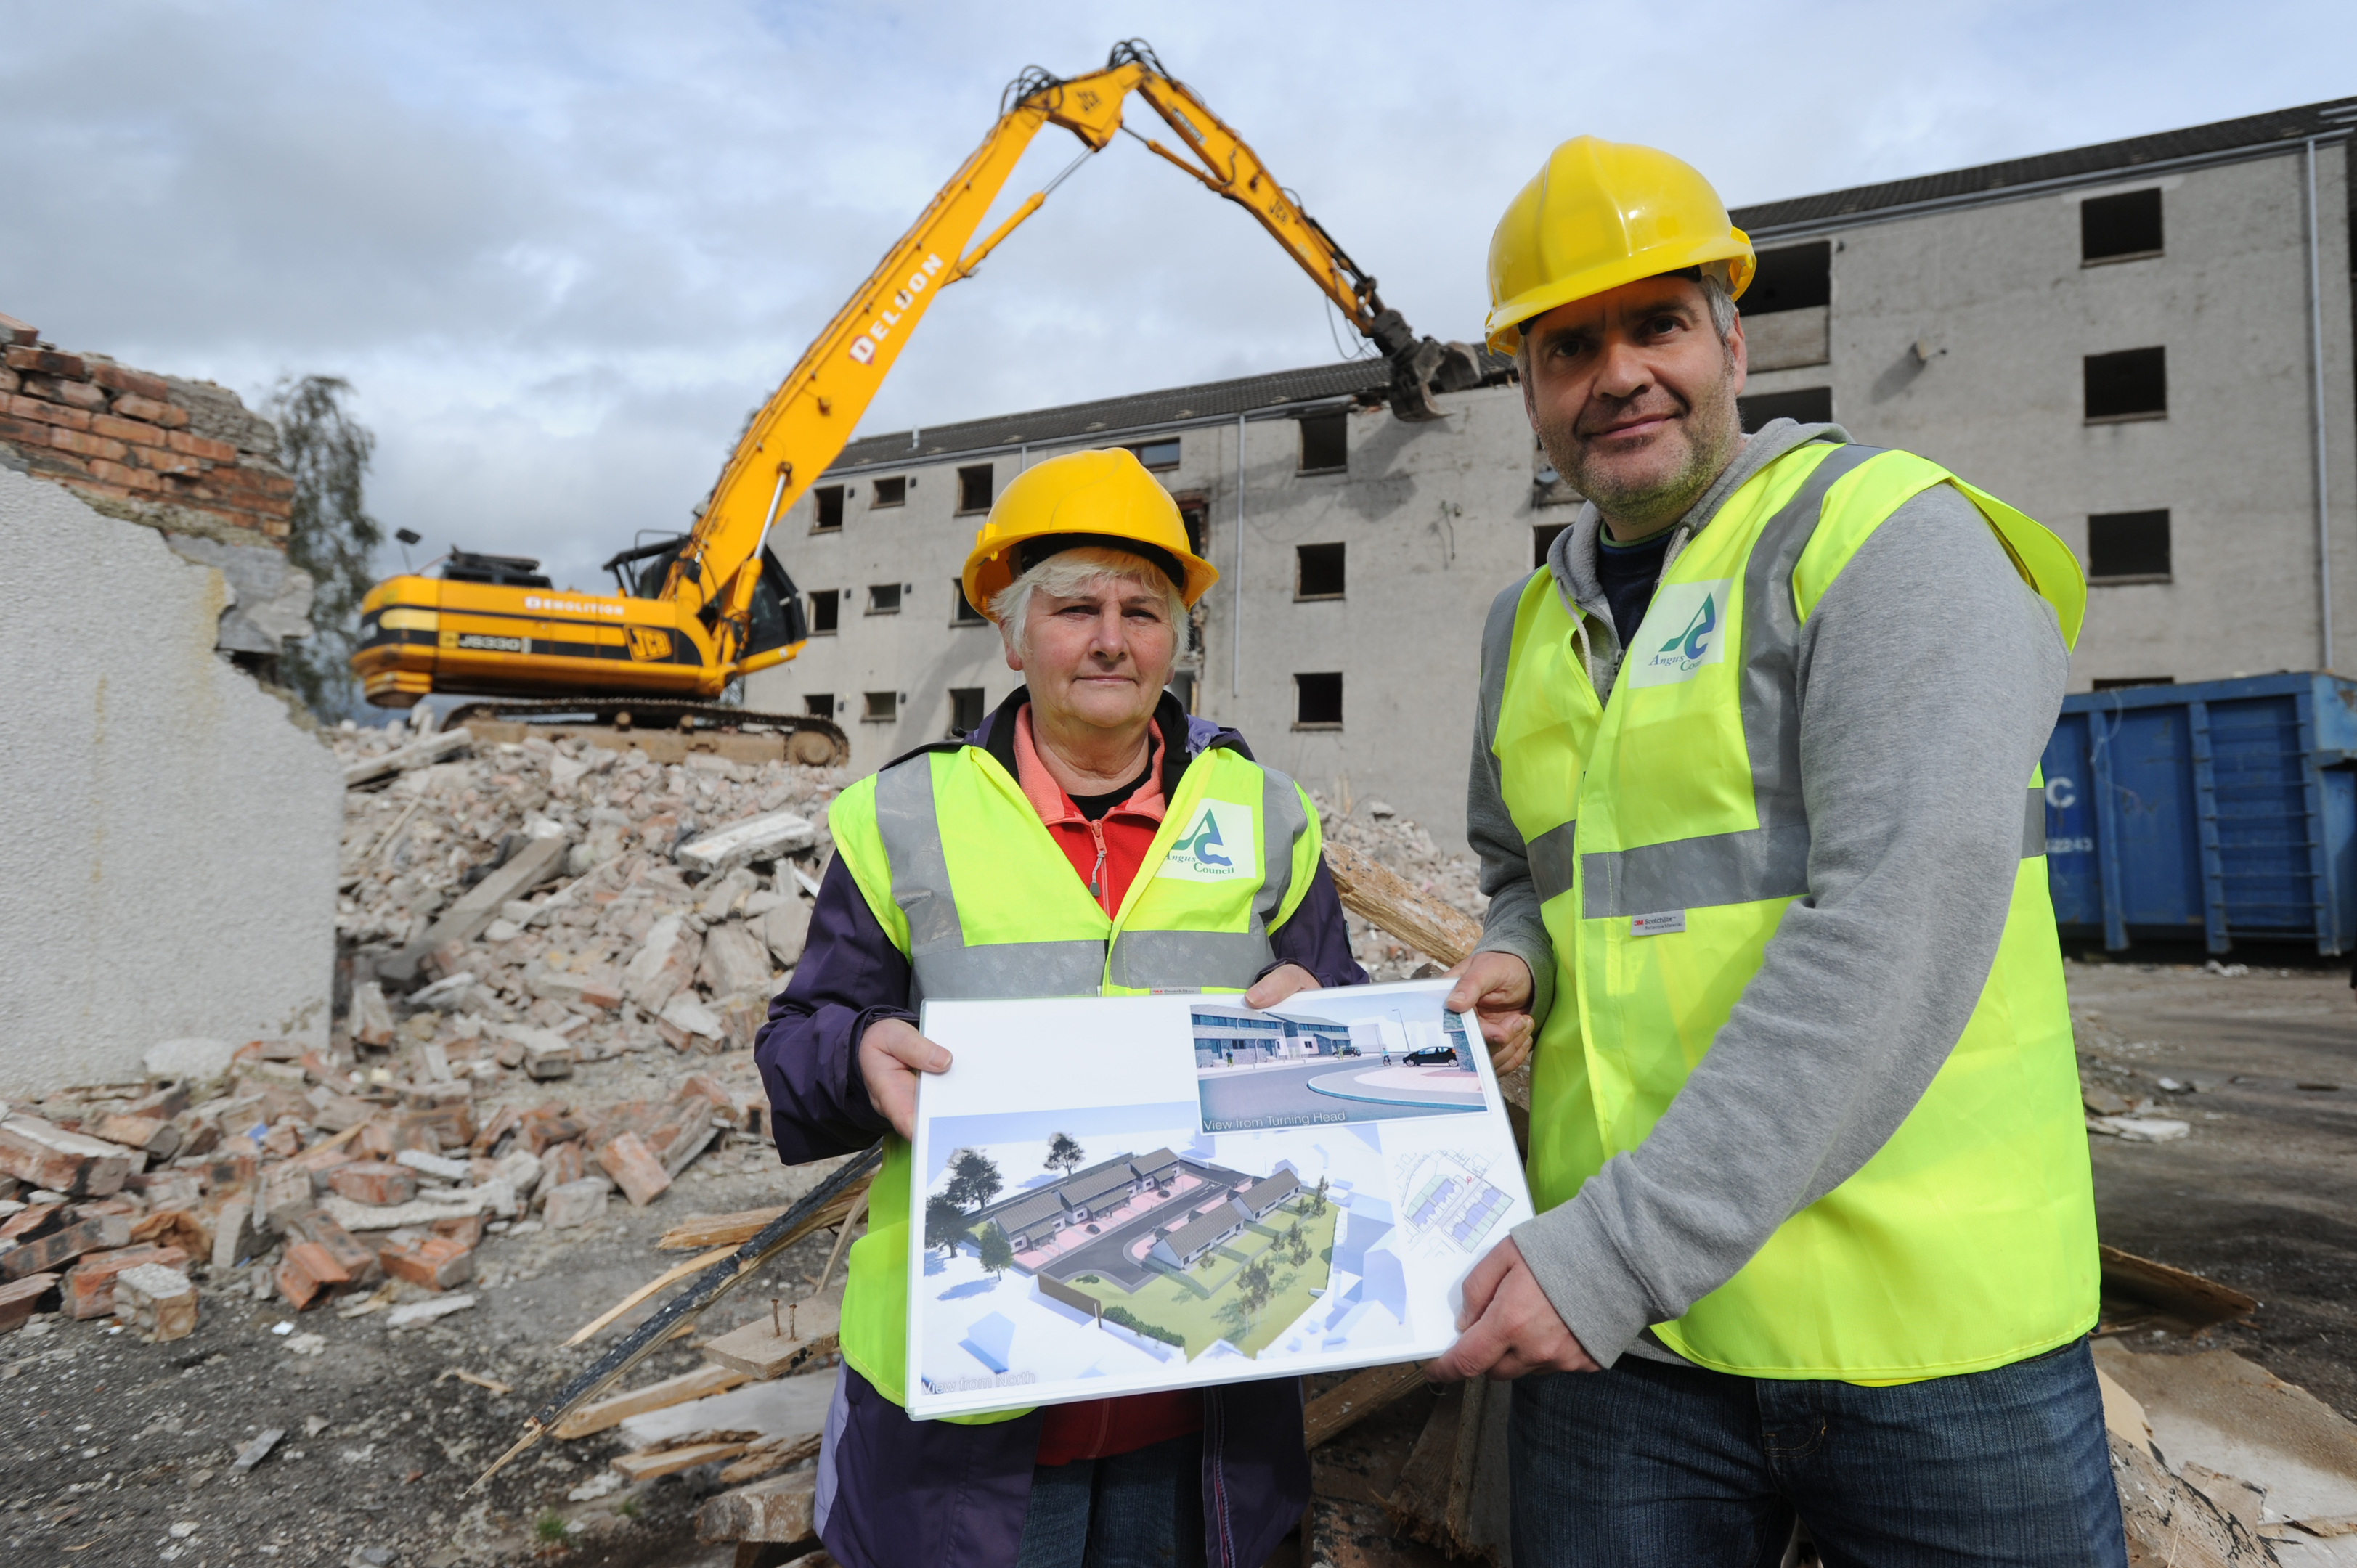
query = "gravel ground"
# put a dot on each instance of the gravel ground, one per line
(2261, 1194)
(119, 1452)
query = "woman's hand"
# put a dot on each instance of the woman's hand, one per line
(1278, 983)
(891, 1055)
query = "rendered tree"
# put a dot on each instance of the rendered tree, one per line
(1320, 1197)
(973, 1178)
(329, 534)
(998, 1252)
(944, 1223)
(1255, 1287)
(1065, 1152)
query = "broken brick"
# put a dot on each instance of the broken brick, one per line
(438, 1262)
(306, 1271)
(155, 1302)
(634, 1169)
(465, 1229)
(99, 1233)
(574, 1203)
(90, 1283)
(21, 1298)
(374, 1181)
(562, 1164)
(319, 1228)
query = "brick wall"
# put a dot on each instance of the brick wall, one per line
(186, 456)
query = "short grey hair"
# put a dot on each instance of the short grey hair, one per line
(1068, 571)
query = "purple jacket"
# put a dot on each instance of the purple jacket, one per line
(899, 1492)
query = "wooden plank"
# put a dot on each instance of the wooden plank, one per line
(775, 1509)
(702, 1231)
(1382, 897)
(1337, 1409)
(781, 1343)
(770, 1454)
(2180, 1293)
(676, 1272)
(420, 753)
(614, 1411)
(656, 1462)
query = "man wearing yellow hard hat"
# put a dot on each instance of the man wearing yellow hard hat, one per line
(1090, 837)
(1755, 790)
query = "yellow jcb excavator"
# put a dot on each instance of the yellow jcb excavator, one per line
(696, 611)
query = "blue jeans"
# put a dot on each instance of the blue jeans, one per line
(1140, 1509)
(1656, 1463)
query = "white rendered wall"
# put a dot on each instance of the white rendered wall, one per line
(171, 834)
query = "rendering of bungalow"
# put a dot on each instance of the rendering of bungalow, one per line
(1185, 1246)
(1035, 1217)
(1261, 1196)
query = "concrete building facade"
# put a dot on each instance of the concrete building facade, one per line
(2147, 345)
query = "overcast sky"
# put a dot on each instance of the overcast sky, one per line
(560, 251)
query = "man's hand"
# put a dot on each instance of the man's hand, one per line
(1495, 987)
(1508, 1328)
(891, 1055)
(1279, 983)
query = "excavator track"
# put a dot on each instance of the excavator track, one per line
(666, 731)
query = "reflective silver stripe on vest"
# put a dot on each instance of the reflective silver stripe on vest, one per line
(1009, 969)
(941, 964)
(1551, 859)
(1187, 961)
(940, 961)
(1168, 960)
(1771, 860)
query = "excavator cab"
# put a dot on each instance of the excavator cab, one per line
(777, 615)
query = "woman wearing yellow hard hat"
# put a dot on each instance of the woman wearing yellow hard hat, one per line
(1059, 850)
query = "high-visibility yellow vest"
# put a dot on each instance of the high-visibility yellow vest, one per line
(1667, 834)
(964, 876)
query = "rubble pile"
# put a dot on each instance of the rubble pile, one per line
(1382, 834)
(508, 913)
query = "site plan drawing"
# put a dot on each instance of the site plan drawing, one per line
(1121, 1194)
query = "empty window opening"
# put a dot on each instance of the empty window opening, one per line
(829, 504)
(964, 614)
(2122, 682)
(1796, 278)
(819, 704)
(826, 611)
(1317, 700)
(2130, 384)
(1542, 540)
(2120, 228)
(884, 599)
(1318, 572)
(880, 707)
(974, 488)
(2127, 547)
(1195, 518)
(1158, 456)
(1325, 442)
(1806, 406)
(965, 710)
(889, 492)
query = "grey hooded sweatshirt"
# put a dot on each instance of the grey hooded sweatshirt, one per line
(1928, 677)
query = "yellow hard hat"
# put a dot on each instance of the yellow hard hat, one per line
(1602, 214)
(1101, 497)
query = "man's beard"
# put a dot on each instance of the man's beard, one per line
(1711, 430)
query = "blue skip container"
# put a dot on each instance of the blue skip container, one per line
(2225, 810)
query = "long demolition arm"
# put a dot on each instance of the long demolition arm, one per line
(808, 419)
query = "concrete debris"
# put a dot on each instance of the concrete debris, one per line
(2140, 1129)
(771, 836)
(255, 1451)
(418, 1312)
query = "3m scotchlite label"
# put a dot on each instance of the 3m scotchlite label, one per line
(1657, 925)
(1685, 628)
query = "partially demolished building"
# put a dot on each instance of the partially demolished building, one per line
(2146, 344)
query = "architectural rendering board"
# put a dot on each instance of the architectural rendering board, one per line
(1120, 1194)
